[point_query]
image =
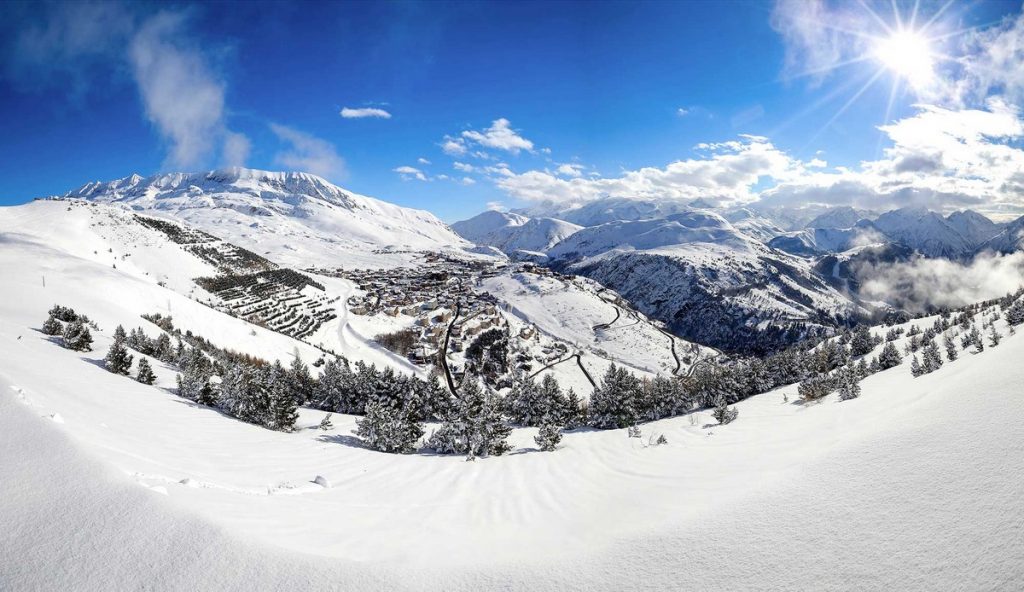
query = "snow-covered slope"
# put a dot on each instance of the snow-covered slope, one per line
(296, 219)
(101, 258)
(898, 488)
(512, 233)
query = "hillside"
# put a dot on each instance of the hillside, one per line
(533, 520)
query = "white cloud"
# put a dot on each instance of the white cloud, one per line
(181, 95)
(408, 172)
(499, 136)
(497, 206)
(570, 170)
(308, 153)
(921, 284)
(728, 174)
(453, 146)
(461, 166)
(422, 160)
(467, 181)
(236, 149)
(942, 159)
(364, 112)
(682, 111)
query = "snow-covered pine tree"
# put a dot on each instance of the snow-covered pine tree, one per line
(52, 326)
(284, 401)
(145, 373)
(862, 342)
(302, 382)
(574, 413)
(162, 348)
(951, 351)
(118, 360)
(522, 404)
(1015, 313)
(325, 423)
(330, 392)
(194, 378)
(915, 367)
(889, 357)
(815, 387)
(931, 358)
(474, 425)
(76, 336)
(976, 339)
(613, 403)
(387, 429)
(994, 337)
(723, 414)
(849, 383)
(548, 437)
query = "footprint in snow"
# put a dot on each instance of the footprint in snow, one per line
(56, 418)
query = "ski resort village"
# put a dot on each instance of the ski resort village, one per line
(745, 320)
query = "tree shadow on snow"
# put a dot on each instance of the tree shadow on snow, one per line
(350, 441)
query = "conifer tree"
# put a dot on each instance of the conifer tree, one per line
(145, 373)
(976, 340)
(723, 414)
(994, 337)
(387, 429)
(613, 403)
(325, 423)
(951, 351)
(194, 378)
(76, 336)
(118, 360)
(474, 425)
(302, 382)
(915, 367)
(1015, 313)
(548, 437)
(52, 326)
(862, 342)
(889, 357)
(849, 384)
(931, 359)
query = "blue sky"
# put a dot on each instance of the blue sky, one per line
(561, 102)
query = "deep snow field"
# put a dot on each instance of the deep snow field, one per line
(109, 484)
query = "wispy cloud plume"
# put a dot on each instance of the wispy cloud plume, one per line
(308, 153)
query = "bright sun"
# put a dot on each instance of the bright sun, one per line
(907, 53)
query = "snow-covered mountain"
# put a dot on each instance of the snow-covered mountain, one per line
(1009, 239)
(514, 233)
(610, 209)
(707, 280)
(298, 219)
(928, 232)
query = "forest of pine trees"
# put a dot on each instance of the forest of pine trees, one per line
(477, 421)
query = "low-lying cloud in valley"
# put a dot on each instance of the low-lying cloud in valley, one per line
(921, 284)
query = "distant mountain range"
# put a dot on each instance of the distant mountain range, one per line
(741, 278)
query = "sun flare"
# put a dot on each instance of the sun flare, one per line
(907, 54)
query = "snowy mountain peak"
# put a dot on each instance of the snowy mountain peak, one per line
(295, 218)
